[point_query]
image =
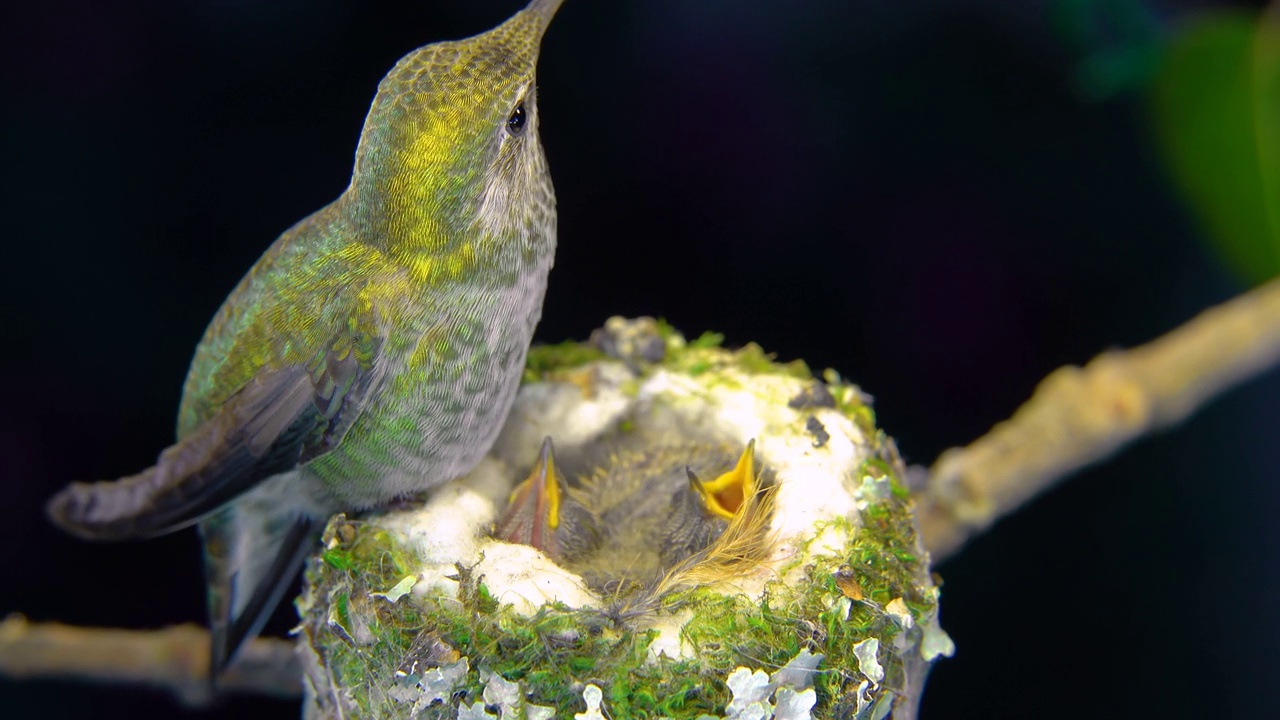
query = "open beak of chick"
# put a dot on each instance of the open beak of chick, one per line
(646, 520)
(533, 510)
(724, 496)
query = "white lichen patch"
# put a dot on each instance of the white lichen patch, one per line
(897, 609)
(439, 683)
(936, 642)
(793, 705)
(508, 697)
(798, 672)
(475, 711)
(399, 590)
(592, 696)
(783, 696)
(539, 712)
(500, 691)
(868, 663)
(433, 686)
(748, 688)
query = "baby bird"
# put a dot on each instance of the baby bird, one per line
(645, 523)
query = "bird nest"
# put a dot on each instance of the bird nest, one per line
(728, 537)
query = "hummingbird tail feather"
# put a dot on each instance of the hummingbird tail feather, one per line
(249, 569)
(106, 510)
(258, 433)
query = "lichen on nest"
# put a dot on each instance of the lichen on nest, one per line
(420, 612)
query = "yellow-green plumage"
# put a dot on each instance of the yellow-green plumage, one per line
(375, 349)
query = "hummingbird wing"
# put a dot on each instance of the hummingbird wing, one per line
(279, 419)
(254, 547)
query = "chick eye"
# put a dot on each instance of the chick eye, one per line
(515, 123)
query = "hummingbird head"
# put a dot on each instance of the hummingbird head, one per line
(449, 158)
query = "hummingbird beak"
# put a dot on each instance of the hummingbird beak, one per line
(533, 512)
(726, 494)
(544, 9)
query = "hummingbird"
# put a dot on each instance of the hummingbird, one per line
(375, 349)
(645, 523)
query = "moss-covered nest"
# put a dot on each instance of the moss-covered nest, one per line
(420, 612)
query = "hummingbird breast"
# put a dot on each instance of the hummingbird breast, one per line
(449, 375)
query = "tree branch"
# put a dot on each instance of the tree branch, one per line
(1080, 416)
(174, 659)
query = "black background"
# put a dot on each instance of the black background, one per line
(910, 192)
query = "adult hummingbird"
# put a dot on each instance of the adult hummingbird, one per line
(375, 348)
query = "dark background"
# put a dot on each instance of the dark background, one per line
(911, 192)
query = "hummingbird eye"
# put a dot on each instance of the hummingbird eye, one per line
(515, 123)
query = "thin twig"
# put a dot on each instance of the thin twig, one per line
(174, 659)
(1080, 416)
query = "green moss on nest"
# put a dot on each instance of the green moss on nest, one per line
(693, 357)
(753, 359)
(559, 649)
(705, 354)
(707, 339)
(851, 403)
(544, 360)
(666, 330)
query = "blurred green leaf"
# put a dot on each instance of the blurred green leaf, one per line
(1119, 43)
(1216, 101)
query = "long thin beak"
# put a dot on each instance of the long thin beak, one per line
(545, 9)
